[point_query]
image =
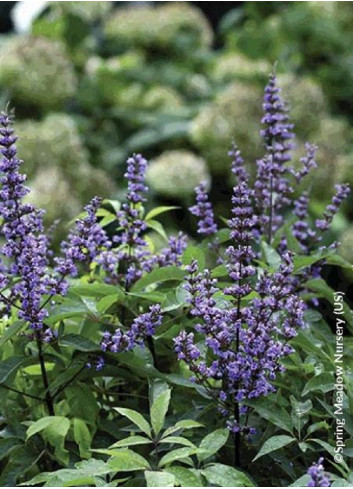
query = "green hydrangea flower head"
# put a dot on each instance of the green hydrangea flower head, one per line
(37, 72)
(233, 116)
(236, 66)
(162, 98)
(88, 11)
(169, 26)
(176, 173)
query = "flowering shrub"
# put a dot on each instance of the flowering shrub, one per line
(213, 357)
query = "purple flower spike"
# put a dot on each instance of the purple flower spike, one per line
(203, 210)
(141, 328)
(342, 192)
(26, 248)
(84, 242)
(318, 478)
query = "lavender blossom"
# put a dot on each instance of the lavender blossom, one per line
(132, 246)
(318, 478)
(301, 228)
(203, 210)
(342, 192)
(272, 183)
(25, 246)
(238, 166)
(168, 256)
(247, 343)
(241, 226)
(141, 328)
(84, 243)
(308, 162)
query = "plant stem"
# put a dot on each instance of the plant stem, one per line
(152, 350)
(12, 389)
(63, 387)
(48, 397)
(270, 211)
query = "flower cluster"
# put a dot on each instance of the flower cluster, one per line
(141, 328)
(318, 478)
(203, 210)
(342, 192)
(246, 343)
(129, 257)
(272, 183)
(26, 247)
(84, 243)
(246, 336)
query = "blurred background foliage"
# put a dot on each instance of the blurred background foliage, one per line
(93, 82)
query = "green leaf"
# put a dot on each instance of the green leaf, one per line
(11, 331)
(273, 413)
(157, 275)
(159, 479)
(106, 302)
(174, 455)
(159, 410)
(160, 210)
(36, 369)
(320, 425)
(158, 227)
(339, 261)
(212, 443)
(22, 459)
(188, 424)
(323, 382)
(130, 441)
(68, 309)
(9, 366)
(226, 476)
(43, 423)
(7, 445)
(127, 461)
(194, 253)
(184, 477)
(274, 443)
(82, 475)
(78, 342)
(301, 482)
(178, 440)
(82, 437)
(137, 419)
(55, 429)
(304, 261)
(184, 424)
(220, 271)
(82, 402)
(320, 288)
(271, 256)
(95, 290)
